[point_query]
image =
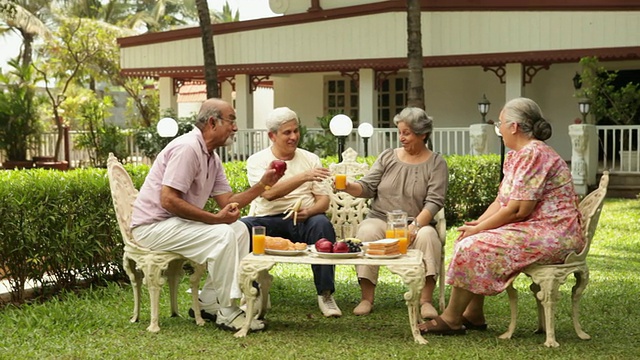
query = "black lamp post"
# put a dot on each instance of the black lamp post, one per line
(501, 150)
(341, 126)
(584, 106)
(365, 130)
(483, 107)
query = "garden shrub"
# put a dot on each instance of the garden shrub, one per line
(57, 223)
(63, 223)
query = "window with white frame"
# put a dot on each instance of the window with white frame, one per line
(392, 98)
(341, 97)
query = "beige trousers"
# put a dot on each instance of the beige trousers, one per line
(427, 241)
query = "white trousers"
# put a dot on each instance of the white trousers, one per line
(221, 246)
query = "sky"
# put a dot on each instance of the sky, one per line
(249, 10)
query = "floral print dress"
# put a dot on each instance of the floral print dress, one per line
(486, 263)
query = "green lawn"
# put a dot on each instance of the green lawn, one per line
(93, 324)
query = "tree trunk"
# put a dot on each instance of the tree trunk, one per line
(27, 51)
(208, 49)
(414, 54)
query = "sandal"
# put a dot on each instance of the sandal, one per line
(471, 326)
(440, 328)
(235, 321)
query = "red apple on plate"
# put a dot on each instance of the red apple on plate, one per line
(280, 167)
(324, 245)
(340, 247)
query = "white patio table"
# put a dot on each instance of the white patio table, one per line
(256, 268)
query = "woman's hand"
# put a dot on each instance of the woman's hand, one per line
(467, 230)
(413, 232)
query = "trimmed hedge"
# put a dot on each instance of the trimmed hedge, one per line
(63, 223)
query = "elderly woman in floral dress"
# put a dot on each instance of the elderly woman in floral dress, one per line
(534, 219)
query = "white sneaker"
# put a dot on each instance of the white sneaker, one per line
(243, 303)
(236, 320)
(328, 305)
(210, 308)
(208, 312)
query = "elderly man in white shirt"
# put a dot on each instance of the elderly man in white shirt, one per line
(302, 181)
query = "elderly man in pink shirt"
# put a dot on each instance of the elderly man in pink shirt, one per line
(168, 213)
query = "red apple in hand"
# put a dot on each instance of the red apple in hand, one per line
(324, 245)
(340, 247)
(280, 167)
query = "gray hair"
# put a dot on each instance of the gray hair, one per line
(207, 110)
(529, 117)
(279, 116)
(417, 120)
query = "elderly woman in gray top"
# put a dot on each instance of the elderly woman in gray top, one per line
(413, 179)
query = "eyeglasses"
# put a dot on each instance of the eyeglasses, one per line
(231, 121)
(499, 123)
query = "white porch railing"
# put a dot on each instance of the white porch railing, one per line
(618, 146)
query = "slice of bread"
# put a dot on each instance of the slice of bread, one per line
(383, 247)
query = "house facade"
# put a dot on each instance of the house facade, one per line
(349, 56)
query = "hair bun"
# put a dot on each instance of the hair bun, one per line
(542, 130)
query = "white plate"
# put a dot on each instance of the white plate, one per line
(284, 252)
(393, 256)
(349, 255)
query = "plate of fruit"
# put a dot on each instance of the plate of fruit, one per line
(342, 249)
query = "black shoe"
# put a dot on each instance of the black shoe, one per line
(205, 315)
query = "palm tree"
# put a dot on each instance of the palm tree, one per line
(111, 12)
(159, 15)
(414, 54)
(27, 18)
(226, 15)
(208, 49)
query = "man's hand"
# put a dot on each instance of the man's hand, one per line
(303, 215)
(270, 177)
(229, 214)
(316, 174)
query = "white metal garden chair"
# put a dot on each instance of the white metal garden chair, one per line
(145, 265)
(546, 279)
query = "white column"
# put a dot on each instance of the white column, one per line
(481, 136)
(367, 103)
(244, 102)
(168, 100)
(584, 156)
(514, 81)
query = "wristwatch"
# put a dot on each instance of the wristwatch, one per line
(416, 226)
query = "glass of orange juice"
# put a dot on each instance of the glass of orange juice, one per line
(341, 181)
(403, 241)
(259, 234)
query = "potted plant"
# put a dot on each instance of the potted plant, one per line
(19, 120)
(612, 103)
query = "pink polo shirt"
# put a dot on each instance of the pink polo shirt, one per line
(185, 165)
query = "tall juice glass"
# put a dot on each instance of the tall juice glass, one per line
(403, 242)
(341, 181)
(259, 234)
